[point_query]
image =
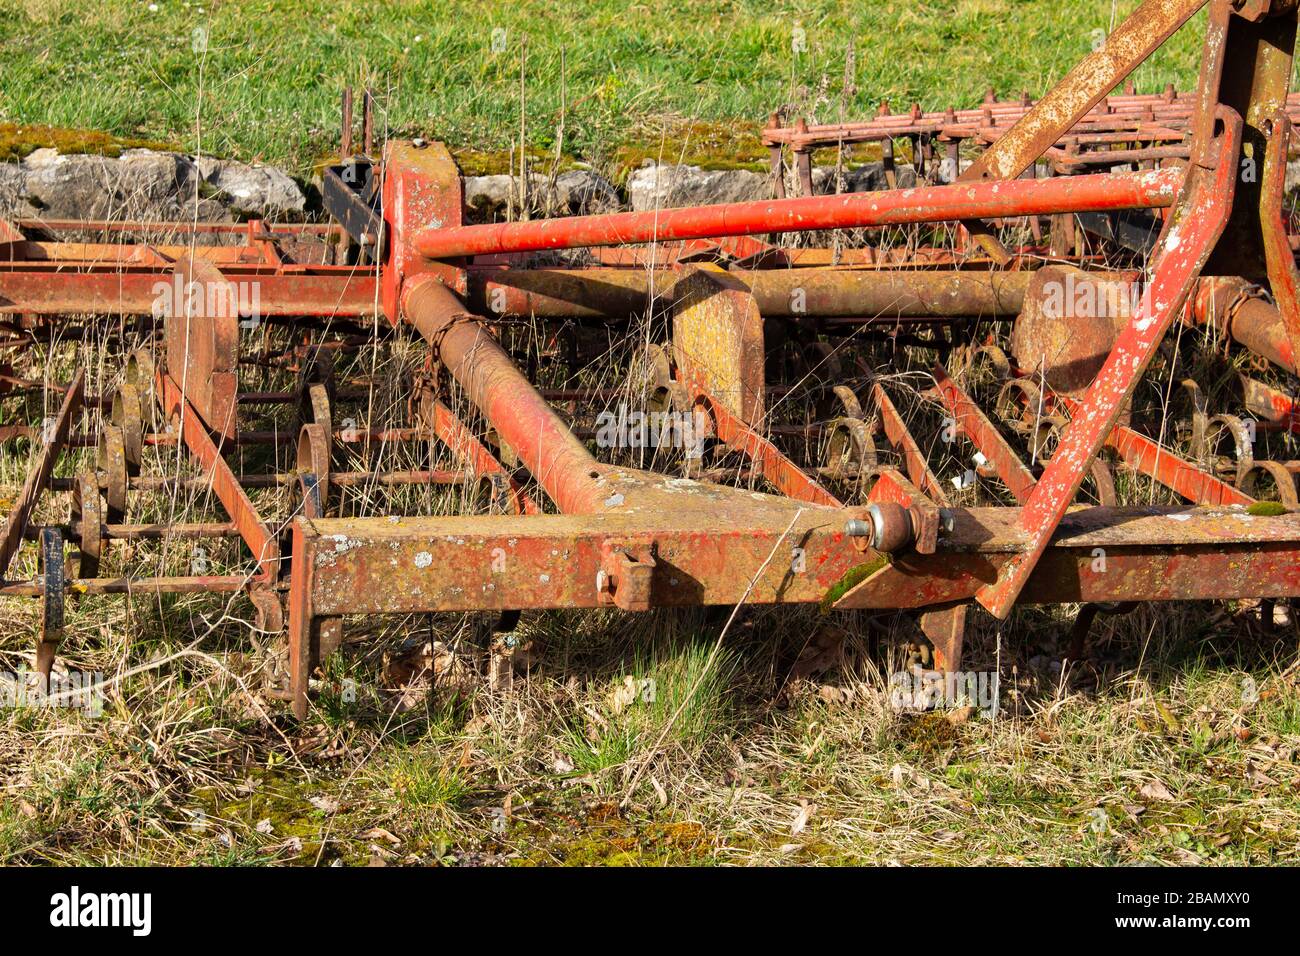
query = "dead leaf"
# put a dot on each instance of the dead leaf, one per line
(264, 827)
(324, 804)
(431, 665)
(1168, 717)
(960, 715)
(505, 658)
(834, 695)
(379, 833)
(1134, 810)
(801, 817)
(1257, 779)
(1155, 790)
(562, 764)
(823, 652)
(622, 696)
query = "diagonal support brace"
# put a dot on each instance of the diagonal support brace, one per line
(1199, 219)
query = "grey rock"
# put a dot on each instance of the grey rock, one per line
(665, 186)
(13, 193)
(489, 197)
(868, 177)
(140, 185)
(260, 191)
(576, 192)
(75, 187)
(583, 192)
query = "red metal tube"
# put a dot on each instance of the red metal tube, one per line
(985, 200)
(523, 419)
(1230, 303)
(818, 292)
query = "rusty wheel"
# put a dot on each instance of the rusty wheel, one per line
(313, 463)
(1283, 481)
(850, 452)
(87, 520)
(127, 413)
(111, 461)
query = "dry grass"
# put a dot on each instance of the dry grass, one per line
(627, 739)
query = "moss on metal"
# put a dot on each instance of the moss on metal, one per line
(852, 578)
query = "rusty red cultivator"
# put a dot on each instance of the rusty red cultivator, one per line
(928, 420)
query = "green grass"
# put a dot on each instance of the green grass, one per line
(674, 697)
(267, 87)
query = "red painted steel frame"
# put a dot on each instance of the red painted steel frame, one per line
(1157, 462)
(637, 539)
(42, 469)
(228, 490)
(453, 433)
(783, 474)
(1187, 243)
(1099, 193)
(58, 291)
(984, 435)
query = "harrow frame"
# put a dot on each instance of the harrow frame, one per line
(635, 539)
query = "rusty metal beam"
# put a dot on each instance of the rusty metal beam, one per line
(1193, 231)
(55, 438)
(1150, 554)
(453, 433)
(234, 499)
(1159, 463)
(130, 292)
(780, 471)
(1097, 193)
(984, 435)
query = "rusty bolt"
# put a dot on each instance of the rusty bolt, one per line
(857, 528)
(891, 527)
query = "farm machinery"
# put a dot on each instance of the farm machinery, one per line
(980, 390)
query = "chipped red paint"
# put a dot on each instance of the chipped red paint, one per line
(1097, 193)
(1184, 247)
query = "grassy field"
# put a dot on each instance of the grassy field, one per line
(610, 82)
(775, 740)
(1174, 741)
